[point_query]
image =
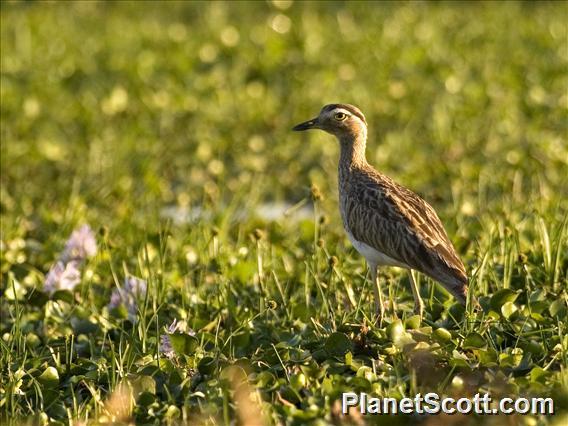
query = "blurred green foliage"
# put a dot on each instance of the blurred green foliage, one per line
(112, 111)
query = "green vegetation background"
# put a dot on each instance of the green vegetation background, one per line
(114, 111)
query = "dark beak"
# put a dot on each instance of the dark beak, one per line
(306, 125)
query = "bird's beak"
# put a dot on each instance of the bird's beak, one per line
(306, 125)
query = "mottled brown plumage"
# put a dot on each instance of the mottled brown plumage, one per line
(386, 222)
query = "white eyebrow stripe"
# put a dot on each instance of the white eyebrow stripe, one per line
(348, 113)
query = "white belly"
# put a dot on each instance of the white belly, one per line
(373, 256)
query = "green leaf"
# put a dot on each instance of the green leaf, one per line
(512, 359)
(84, 326)
(56, 409)
(38, 298)
(508, 309)
(120, 311)
(487, 358)
(143, 384)
(539, 306)
(442, 335)
(474, 341)
(32, 340)
(338, 344)
(313, 370)
(538, 374)
(319, 355)
(241, 339)
(64, 296)
(533, 347)
(360, 383)
(367, 373)
(290, 394)
(457, 311)
(172, 412)
(265, 379)
(459, 360)
(413, 322)
(184, 344)
(298, 381)
(558, 308)
(49, 378)
(146, 398)
(501, 297)
(395, 330)
(207, 365)
(15, 290)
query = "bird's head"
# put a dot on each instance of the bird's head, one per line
(338, 119)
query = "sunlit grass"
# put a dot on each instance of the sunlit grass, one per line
(167, 129)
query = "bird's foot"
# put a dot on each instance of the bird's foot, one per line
(393, 307)
(379, 314)
(419, 309)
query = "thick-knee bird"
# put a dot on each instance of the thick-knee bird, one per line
(386, 222)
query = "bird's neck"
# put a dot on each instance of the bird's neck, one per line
(353, 149)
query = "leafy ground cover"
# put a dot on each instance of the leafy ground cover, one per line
(216, 281)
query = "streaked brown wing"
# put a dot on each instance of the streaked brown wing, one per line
(400, 224)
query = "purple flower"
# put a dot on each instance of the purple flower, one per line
(135, 286)
(62, 276)
(65, 274)
(166, 346)
(80, 245)
(166, 342)
(128, 296)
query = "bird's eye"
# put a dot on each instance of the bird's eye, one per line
(340, 116)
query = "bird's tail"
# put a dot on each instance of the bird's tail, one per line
(457, 286)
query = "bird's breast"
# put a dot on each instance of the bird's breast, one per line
(347, 206)
(372, 255)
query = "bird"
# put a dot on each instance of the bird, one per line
(388, 224)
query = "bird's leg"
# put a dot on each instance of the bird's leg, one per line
(392, 301)
(418, 303)
(379, 306)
